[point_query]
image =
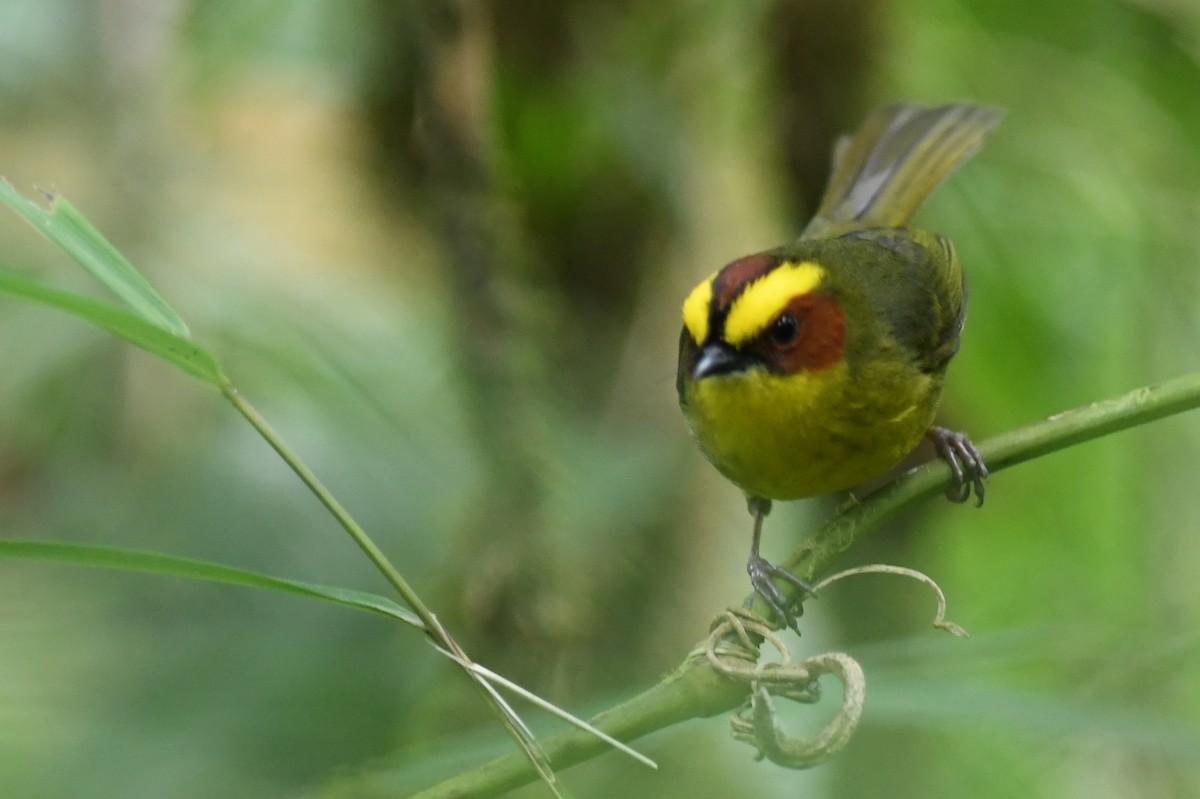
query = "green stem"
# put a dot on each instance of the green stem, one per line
(1138, 407)
(529, 753)
(694, 690)
(368, 546)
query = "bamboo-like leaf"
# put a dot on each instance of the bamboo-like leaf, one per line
(187, 568)
(155, 327)
(67, 228)
(176, 349)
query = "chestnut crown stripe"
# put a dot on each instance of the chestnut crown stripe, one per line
(769, 284)
(762, 301)
(739, 274)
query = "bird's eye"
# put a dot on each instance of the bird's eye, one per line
(783, 331)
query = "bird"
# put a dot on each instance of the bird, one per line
(817, 366)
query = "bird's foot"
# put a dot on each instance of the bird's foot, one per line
(761, 574)
(964, 461)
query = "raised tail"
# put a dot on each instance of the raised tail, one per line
(884, 171)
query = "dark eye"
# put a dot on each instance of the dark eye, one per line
(783, 331)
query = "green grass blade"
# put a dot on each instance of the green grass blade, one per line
(71, 232)
(178, 350)
(170, 566)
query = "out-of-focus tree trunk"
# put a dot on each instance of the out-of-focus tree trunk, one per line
(543, 270)
(825, 53)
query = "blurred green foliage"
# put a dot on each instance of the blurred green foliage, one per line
(442, 244)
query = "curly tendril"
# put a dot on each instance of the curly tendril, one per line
(734, 649)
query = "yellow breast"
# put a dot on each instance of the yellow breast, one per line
(810, 433)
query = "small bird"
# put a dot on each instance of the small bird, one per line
(818, 365)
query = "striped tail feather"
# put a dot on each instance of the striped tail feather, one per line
(884, 171)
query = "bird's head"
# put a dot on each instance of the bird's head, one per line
(762, 312)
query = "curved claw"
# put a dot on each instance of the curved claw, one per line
(761, 574)
(965, 462)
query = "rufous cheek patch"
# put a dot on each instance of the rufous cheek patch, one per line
(821, 342)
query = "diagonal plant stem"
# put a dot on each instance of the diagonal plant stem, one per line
(147, 321)
(695, 690)
(432, 628)
(531, 753)
(1137, 407)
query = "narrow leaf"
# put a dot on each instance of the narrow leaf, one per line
(68, 229)
(504, 682)
(187, 568)
(175, 349)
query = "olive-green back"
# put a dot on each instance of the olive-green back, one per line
(881, 175)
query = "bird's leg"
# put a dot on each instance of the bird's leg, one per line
(761, 571)
(964, 461)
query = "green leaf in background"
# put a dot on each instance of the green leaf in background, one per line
(68, 229)
(177, 349)
(187, 568)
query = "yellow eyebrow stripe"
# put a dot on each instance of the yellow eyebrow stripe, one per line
(695, 309)
(764, 299)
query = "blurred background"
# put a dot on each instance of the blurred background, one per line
(442, 245)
